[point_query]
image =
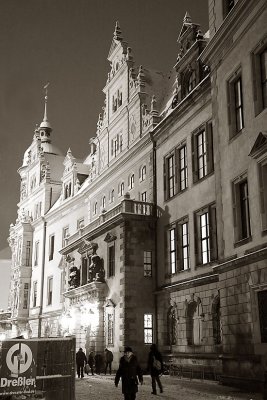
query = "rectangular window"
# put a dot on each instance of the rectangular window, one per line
(206, 235)
(259, 73)
(148, 328)
(241, 210)
(148, 263)
(235, 105)
(183, 244)
(239, 121)
(111, 260)
(263, 193)
(183, 176)
(143, 197)
(28, 253)
(172, 247)
(25, 296)
(262, 302)
(170, 176)
(34, 294)
(202, 155)
(202, 152)
(110, 329)
(49, 290)
(36, 253)
(51, 247)
(65, 235)
(263, 75)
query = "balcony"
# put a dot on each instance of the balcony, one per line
(126, 207)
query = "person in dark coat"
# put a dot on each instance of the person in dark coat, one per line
(91, 361)
(108, 360)
(98, 363)
(154, 371)
(129, 372)
(80, 362)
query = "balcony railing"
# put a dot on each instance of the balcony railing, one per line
(127, 206)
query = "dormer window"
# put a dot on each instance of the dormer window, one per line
(67, 190)
(190, 81)
(116, 100)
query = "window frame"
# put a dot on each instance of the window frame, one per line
(208, 155)
(34, 294)
(210, 239)
(49, 294)
(235, 108)
(238, 211)
(51, 247)
(148, 328)
(147, 263)
(258, 95)
(111, 259)
(36, 252)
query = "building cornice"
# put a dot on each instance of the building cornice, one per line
(230, 25)
(189, 283)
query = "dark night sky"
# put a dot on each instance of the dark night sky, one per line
(66, 42)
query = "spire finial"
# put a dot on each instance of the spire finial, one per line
(46, 98)
(187, 18)
(117, 33)
(45, 124)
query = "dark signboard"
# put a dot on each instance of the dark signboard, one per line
(18, 367)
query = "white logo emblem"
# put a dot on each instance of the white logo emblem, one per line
(19, 358)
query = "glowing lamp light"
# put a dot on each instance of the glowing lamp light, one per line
(2, 337)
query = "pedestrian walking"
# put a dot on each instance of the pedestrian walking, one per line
(80, 362)
(98, 363)
(155, 368)
(91, 361)
(130, 373)
(108, 360)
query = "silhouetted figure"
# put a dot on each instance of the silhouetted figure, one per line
(98, 363)
(108, 360)
(155, 368)
(80, 362)
(91, 361)
(130, 372)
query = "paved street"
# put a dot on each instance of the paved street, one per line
(102, 387)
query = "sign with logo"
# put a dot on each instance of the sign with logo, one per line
(18, 367)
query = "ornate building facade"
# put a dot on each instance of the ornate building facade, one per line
(159, 235)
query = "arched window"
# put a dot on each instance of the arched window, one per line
(216, 320)
(104, 202)
(112, 196)
(95, 207)
(194, 319)
(142, 173)
(131, 181)
(121, 189)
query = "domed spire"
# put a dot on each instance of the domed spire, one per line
(45, 127)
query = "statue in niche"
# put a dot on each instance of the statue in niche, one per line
(74, 276)
(96, 271)
(173, 324)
